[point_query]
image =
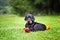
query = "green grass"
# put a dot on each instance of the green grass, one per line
(11, 28)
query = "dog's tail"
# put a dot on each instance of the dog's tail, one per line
(47, 27)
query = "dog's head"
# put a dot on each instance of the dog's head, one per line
(29, 17)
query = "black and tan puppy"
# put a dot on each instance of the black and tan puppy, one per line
(33, 26)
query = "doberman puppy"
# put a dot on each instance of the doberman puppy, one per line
(33, 26)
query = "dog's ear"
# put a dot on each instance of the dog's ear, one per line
(25, 18)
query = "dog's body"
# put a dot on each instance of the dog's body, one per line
(32, 25)
(35, 26)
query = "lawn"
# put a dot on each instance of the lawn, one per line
(11, 28)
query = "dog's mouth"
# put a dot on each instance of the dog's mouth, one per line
(29, 22)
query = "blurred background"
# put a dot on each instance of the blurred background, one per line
(36, 7)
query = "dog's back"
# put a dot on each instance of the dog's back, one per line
(35, 26)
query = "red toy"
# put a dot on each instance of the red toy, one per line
(27, 30)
